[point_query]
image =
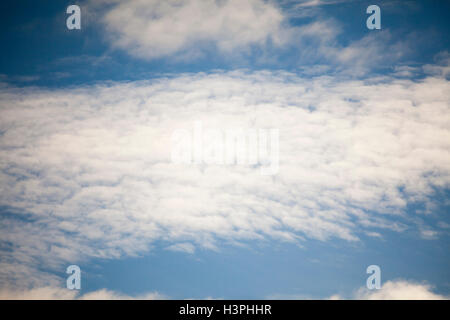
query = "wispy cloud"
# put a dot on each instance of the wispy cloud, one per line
(316, 3)
(55, 293)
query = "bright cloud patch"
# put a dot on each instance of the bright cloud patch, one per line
(86, 172)
(391, 290)
(151, 29)
(400, 290)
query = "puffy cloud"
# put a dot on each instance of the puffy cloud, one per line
(86, 172)
(391, 290)
(400, 290)
(152, 29)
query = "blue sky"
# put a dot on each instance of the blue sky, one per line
(85, 141)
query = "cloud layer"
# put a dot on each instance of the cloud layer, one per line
(86, 172)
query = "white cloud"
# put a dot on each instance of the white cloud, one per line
(230, 30)
(54, 293)
(442, 66)
(86, 172)
(182, 247)
(104, 294)
(391, 290)
(152, 29)
(400, 290)
(428, 234)
(315, 3)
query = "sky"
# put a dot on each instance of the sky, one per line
(359, 157)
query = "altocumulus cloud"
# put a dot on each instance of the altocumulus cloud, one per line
(86, 172)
